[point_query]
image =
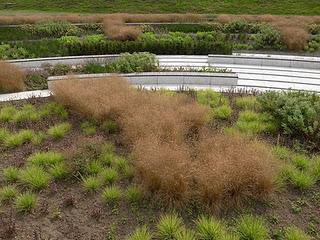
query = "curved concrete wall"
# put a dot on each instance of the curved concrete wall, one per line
(265, 60)
(161, 79)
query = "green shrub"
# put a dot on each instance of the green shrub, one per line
(17, 139)
(297, 112)
(134, 195)
(92, 183)
(268, 38)
(10, 174)
(88, 128)
(45, 158)
(247, 103)
(110, 126)
(293, 233)
(34, 177)
(169, 227)
(252, 228)
(7, 193)
(109, 175)
(141, 233)
(59, 171)
(9, 52)
(209, 228)
(250, 122)
(59, 130)
(111, 194)
(25, 202)
(135, 62)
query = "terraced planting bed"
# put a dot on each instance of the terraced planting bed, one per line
(72, 170)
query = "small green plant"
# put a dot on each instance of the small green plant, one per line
(4, 134)
(109, 175)
(186, 234)
(88, 128)
(169, 227)
(247, 103)
(107, 158)
(120, 163)
(34, 177)
(59, 131)
(10, 174)
(222, 112)
(54, 108)
(17, 139)
(7, 193)
(7, 113)
(134, 195)
(45, 158)
(27, 113)
(25, 202)
(293, 233)
(282, 153)
(315, 168)
(209, 228)
(299, 179)
(59, 171)
(94, 167)
(110, 126)
(38, 138)
(92, 183)
(141, 233)
(250, 227)
(300, 161)
(111, 194)
(128, 172)
(250, 122)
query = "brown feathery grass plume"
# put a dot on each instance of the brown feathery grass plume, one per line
(11, 78)
(175, 155)
(295, 38)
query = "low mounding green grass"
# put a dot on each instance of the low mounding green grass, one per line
(34, 177)
(92, 183)
(169, 227)
(59, 171)
(45, 158)
(209, 228)
(134, 195)
(250, 227)
(94, 167)
(58, 131)
(298, 7)
(141, 233)
(10, 174)
(109, 175)
(88, 128)
(247, 103)
(111, 194)
(299, 179)
(17, 139)
(293, 233)
(7, 193)
(25, 202)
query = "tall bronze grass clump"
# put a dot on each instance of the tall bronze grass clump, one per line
(11, 78)
(175, 155)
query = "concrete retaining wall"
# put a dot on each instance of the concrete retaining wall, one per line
(275, 61)
(72, 60)
(162, 79)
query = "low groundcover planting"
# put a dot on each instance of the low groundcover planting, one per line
(103, 160)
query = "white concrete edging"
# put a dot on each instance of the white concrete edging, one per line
(267, 60)
(161, 79)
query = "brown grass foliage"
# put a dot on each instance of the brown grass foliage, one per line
(11, 78)
(293, 28)
(115, 24)
(176, 156)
